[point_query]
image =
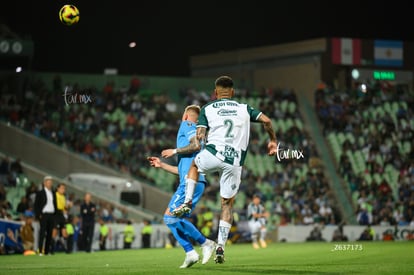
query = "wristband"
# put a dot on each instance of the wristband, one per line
(175, 151)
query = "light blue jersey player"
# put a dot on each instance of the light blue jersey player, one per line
(182, 229)
(186, 132)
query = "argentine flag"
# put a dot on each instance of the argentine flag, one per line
(388, 53)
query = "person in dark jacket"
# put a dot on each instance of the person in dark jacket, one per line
(87, 212)
(44, 208)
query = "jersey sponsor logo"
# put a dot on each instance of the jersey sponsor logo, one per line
(222, 104)
(218, 104)
(224, 112)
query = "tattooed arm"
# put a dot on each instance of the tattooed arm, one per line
(194, 146)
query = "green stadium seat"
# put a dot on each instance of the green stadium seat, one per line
(299, 124)
(361, 141)
(289, 123)
(378, 178)
(372, 112)
(282, 125)
(380, 111)
(394, 107)
(269, 206)
(372, 128)
(349, 136)
(292, 107)
(379, 159)
(284, 106)
(360, 161)
(407, 147)
(404, 123)
(341, 138)
(355, 196)
(387, 107)
(365, 114)
(368, 178)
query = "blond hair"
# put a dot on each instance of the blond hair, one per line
(192, 108)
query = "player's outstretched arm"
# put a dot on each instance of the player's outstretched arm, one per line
(267, 125)
(157, 163)
(193, 147)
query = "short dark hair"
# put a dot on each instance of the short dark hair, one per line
(224, 81)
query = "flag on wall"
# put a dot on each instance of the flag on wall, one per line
(388, 53)
(346, 51)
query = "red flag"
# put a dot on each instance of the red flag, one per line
(346, 51)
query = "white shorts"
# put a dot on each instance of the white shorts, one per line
(256, 226)
(230, 175)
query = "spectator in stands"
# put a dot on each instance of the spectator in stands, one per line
(4, 214)
(134, 85)
(23, 205)
(308, 219)
(325, 212)
(27, 231)
(363, 216)
(106, 212)
(16, 167)
(31, 194)
(3, 193)
(4, 171)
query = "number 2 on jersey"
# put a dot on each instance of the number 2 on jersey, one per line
(228, 123)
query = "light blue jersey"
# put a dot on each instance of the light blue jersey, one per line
(186, 132)
(182, 229)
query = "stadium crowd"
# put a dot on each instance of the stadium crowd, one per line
(370, 131)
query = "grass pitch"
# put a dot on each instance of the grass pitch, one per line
(277, 258)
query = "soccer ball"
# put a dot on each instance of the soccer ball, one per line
(69, 15)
